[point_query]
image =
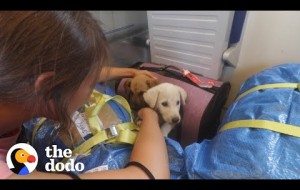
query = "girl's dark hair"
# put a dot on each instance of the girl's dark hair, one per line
(70, 44)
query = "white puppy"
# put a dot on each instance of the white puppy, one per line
(166, 99)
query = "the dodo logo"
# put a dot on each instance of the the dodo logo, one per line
(22, 159)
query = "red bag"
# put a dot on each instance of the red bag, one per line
(205, 99)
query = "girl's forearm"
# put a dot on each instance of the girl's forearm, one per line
(150, 149)
(115, 73)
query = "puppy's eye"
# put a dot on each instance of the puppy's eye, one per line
(140, 93)
(165, 104)
(177, 103)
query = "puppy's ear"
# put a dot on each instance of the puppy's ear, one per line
(151, 96)
(127, 84)
(151, 82)
(183, 95)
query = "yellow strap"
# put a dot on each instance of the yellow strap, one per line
(121, 100)
(37, 127)
(125, 135)
(127, 132)
(93, 110)
(105, 98)
(266, 86)
(287, 129)
(128, 125)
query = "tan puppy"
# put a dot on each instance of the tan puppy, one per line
(136, 87)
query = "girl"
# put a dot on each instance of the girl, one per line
(49, 64)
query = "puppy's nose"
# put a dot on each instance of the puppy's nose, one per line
(175, 119)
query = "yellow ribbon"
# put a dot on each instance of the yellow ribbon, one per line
(283, 128)
(268, 86)
(37, 127)
(125, 132)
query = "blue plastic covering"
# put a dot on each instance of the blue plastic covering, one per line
(254, 153)
(103, 155)
(240, 153)
(108, 156)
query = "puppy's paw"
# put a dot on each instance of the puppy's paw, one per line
(138, 121)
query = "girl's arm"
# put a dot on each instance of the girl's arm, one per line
(112, 73)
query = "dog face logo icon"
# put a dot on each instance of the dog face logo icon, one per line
(22, 159)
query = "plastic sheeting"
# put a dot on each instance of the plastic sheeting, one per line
(240, 153)
(248, 153)
(102, 156)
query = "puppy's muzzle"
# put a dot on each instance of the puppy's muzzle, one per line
(175, 120)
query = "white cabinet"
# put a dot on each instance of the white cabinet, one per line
(194, 40)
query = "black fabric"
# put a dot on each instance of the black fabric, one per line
(142, 167)
(173, 72)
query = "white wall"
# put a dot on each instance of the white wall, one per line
(111, 20)
(269, 38)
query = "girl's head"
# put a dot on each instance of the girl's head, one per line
(50, 60)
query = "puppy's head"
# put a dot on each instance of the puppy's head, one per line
(136, 87)
(166, 99)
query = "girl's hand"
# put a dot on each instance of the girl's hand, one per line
(148, 113)
(136, 72)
